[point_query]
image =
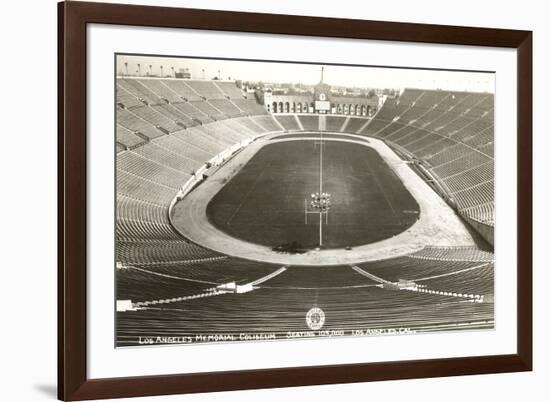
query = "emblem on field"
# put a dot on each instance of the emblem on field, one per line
(315, 318)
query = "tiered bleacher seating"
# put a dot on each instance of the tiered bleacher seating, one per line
(354, 125)
(125, 98)
(288, 122)
(318, 277)
(267, 122)
(182, 89)
(249, 123)
(157, 119)
(183, 146)
(136, 124)
(161, 144)
(226, 107)
(281, 310)
(168, 103)
(245, 127)
(148, 178)
(229, 89)
(189, 109)
(249, 106)
(141, 221)
(128, 138)
(478, 281)
(309, 122)
(157, 172)
(159, 153)
(136, 88)
(454, 254)
(199, 138)
(165, 252)
(175, 114)
(161, 90)
(407, 268)
(140, 188)
(206, 89)
(335, 123)
(222, 133)
(453, 134)
(208, 109)
(143, 285)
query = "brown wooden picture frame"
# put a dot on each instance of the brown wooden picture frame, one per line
(73, 17)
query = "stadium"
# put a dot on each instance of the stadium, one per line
(239, 211)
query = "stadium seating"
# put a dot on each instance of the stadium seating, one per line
(249, 106)
(189, 109)
(229, 89)
(226, 107)
(288, 122)
(335, 123)
(168, 128)
(209, 110)
(309, 122)
(453, 134)
(128, 138)
(206, 89)
(136, 88)
(318, 277)
(268, 123)
(415, 269)
(136, 124)
(354, 125)
(126, 99)
(279, 311)
(173, 113)
(183, 90)
(162, 90)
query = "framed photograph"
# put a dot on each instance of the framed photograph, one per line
(253, 200)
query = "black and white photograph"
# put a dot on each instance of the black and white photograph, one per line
(212, 201)
(266, 200)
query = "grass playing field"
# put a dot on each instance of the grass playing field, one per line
(264, 202)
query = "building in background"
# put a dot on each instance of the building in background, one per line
(183, 73)
(322, 99)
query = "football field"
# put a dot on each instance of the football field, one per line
(264, 202)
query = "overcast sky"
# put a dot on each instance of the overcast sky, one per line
(367, 77)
